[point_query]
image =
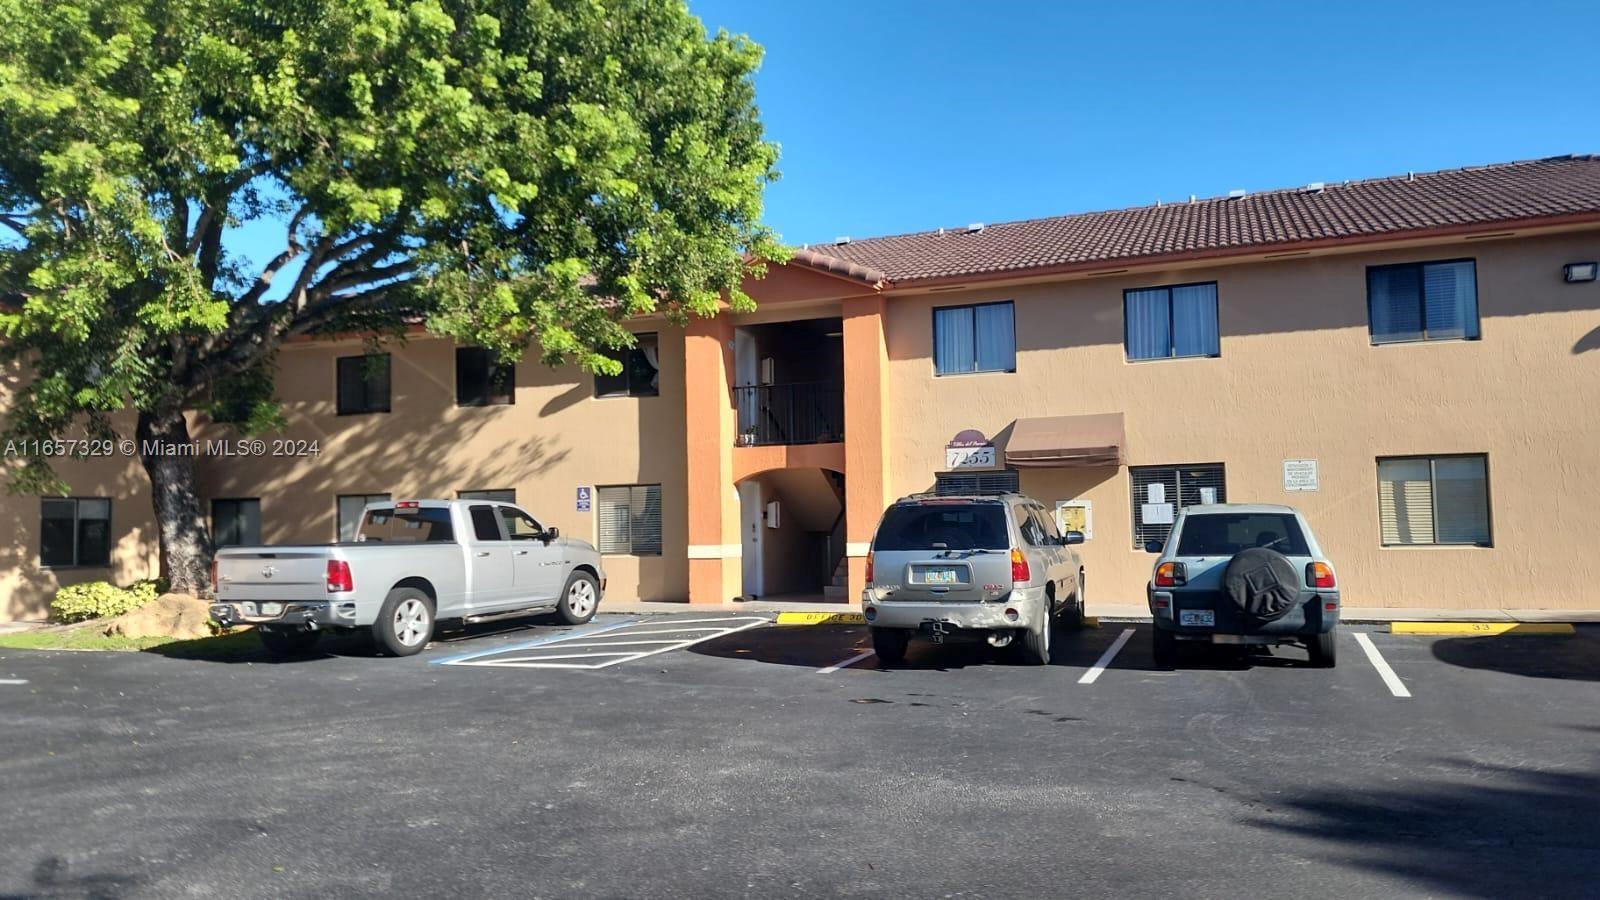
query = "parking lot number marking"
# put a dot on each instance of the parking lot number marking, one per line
(1106, 657)
(1396, 686)
(844, 664)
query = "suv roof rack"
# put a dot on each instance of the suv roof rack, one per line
(933, 495)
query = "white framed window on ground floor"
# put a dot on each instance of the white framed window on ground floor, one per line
(630, 519)
(1434, 500)
(1160, 491)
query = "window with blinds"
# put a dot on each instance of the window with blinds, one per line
(999, 481)
(1434, 500)
(1436, 301)
(630, 519)
(1177, 487)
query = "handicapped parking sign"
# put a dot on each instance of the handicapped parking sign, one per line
(585, 495)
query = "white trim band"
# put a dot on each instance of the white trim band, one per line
(715, 551)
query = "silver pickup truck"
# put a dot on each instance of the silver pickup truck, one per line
(412, 563)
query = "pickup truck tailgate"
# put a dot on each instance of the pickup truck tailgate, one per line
(286, 573)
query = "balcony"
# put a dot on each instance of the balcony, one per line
(797, 413)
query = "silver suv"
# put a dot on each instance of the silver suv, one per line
(1243, 573)
(968, 566)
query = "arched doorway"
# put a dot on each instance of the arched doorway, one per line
(791, 525)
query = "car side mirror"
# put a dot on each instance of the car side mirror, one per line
(1072, 537)
(551, 534)
(1152, 546)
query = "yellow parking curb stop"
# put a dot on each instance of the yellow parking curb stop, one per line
(820, 618)
(1481, 628)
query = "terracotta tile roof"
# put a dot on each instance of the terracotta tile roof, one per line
(1374, 209)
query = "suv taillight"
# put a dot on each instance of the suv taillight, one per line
(339, 579)
(869, 568)
(1171, 574)
(1019, 567)
(1319, 575)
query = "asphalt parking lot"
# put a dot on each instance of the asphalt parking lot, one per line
(737, 759)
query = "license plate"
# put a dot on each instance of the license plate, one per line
(938, 576)
(272, 609)
(1197, 618)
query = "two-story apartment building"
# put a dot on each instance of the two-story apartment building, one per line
(1413, 361)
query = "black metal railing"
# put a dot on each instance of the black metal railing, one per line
(800, 413)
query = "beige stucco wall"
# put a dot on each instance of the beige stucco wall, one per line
(1299, 378)
(554, 438)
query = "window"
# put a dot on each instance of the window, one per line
(350, 507)
(1160, 491)
(1434, 500)
(1224, 534)
(482, 379)
(363, 384)
(980, 338)
(506, 495)
(236, 522)
(920, 526)
(74, 531)
(1423, 302)
(1028, 524)
(1169, 322)
(630, 519)
(999, 481)
(485, 524)
(417, 525)
(640, 375)
(519, 525)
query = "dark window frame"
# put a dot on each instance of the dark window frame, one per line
(235, 500)
(367, 407)
(1178, 506)
(1172, 334)
(626, 377)
(479, 495)
(368, 498)
(494, 371)
(1422, 302)
(934, 332)
(1433, 490)
(77, 518)
(633, 548)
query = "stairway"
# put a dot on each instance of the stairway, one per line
(841, 581)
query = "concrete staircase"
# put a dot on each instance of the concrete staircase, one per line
(835, 591)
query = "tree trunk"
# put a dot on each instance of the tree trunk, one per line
(168, 455)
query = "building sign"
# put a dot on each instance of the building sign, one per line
(1075, 515)
(969, 450)
(585, 498)
(1299, 474)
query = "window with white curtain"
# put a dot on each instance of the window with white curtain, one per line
(980, 338)
(641, 371)
(1435, 301)
(1171, 322)
(630, 519)
(1434, 500)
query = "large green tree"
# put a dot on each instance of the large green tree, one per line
(511, 172)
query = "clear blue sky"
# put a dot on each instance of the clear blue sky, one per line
(898, 116)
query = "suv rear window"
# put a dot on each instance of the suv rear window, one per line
(428, 525)
(1224, 534)
(958, 526)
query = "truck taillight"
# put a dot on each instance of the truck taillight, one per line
(1319, 575)
(339, 579)
(213, 576)
(1019, 567)
(1171, 574)
(869, 568)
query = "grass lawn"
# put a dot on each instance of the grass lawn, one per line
(88, 637)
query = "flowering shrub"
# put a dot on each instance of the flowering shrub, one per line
(101, 599)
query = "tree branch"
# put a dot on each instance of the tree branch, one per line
(14, 224)
(295, 248)
(331, 285)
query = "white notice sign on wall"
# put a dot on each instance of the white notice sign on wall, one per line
(1299, 474)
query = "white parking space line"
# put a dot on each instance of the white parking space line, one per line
(1106, 657)
(592, 649)
(844, 663)
(1396, 686)
(13, 681)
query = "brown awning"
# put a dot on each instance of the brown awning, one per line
(1066, 441)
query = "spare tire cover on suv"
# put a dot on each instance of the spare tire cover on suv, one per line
(1262, 583)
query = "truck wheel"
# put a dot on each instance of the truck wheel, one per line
(579, 599)
(1034, 646)
(1324, 649)
(889, 644)
(405, 622)
(284, 643)
(1164, 647)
